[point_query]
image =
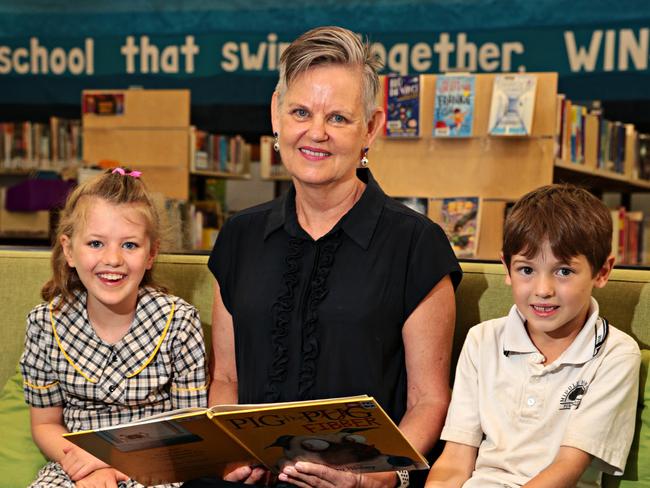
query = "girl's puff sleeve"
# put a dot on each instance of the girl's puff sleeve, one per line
(40, 382)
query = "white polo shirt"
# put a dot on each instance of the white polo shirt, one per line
(518, 412)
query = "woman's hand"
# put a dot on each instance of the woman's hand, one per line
(308, 475)
(102, 478)
(78, 463)
(248, 475)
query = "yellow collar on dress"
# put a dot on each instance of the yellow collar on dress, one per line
(130, 375)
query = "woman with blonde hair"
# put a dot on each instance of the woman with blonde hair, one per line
(333, 289)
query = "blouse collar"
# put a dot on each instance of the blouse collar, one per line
(76, 337)
(359, 223)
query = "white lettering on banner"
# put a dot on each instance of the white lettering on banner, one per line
(241, 55)
(401, 58)
(630, 47)
(41, 60)
(153, 59)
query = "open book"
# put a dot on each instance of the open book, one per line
(351, 433)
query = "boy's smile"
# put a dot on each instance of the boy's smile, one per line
(552, 295)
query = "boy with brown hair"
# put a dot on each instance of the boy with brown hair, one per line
(546, 396)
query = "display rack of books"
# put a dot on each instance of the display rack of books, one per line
(145, 129)
(26, 146)
(219, 155)
(271, 167)
(609, 154)
(485, 140)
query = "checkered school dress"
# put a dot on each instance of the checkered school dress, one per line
(159, 365)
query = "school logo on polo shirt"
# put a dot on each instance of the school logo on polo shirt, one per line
(573, 395)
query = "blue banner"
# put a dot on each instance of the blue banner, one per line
(607, 60)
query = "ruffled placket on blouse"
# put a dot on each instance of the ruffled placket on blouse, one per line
(283, 308)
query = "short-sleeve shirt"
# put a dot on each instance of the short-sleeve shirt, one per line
(323, 318)
(518, 411)
(157, 366)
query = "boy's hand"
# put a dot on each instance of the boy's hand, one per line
(102, 478)
(78, 463)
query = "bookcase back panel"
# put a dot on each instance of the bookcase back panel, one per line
(143, 108)
(138, 148)
(486, 167)
(171, 182)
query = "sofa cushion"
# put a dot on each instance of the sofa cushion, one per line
(637, 470)
(20, 459)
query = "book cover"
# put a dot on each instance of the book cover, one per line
(459, 218)
(453, 113)
(402, 105)
(351, 433)
(513, 105)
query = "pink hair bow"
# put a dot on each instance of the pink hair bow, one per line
(135, 174)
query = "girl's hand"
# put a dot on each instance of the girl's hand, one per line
(78, 463)
(308, 475)
(248, 475)
(102, 478)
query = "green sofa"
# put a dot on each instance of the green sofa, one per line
(625, 301)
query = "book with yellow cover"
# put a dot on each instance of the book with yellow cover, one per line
(350, 433)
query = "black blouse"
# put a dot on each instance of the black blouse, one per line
(317, 319)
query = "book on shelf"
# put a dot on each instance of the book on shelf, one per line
(218, 152)
(402, 106)
(459, 217)
(513, 105)
(643, 151)
(630, 236)
(453, 112)
(270, 162)
(351, 433)
(37, 145)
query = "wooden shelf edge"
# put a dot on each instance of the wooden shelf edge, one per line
(603, 177)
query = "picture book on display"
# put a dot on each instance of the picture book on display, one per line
(453, 112)
(459, 217)
(350, 433)
(402, 105)
(513, 105)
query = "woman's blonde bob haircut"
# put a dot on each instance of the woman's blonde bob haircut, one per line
(331, 45)
(116, 189)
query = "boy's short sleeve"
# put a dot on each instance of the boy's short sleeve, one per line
(40, 384)
(603, 425)
(463, 423)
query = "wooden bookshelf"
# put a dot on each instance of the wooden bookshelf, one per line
(150, 133)
(497, 169)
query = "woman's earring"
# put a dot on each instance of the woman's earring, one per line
(276, 142)
(364, 158)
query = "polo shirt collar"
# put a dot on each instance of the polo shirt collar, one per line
(515, 337)
(590, 340)
(584, 347)
(359, 223)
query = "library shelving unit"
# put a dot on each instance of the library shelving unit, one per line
(149, 132)
(271, 167)
(498, 169)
